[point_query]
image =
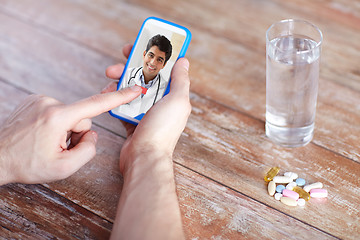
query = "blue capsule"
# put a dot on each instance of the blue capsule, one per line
(300, 182)
(280, 188)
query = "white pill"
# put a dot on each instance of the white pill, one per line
(312, 186)
(301, 202)
(271, 188)
(291, 175)
(278, 196)
(282, 179)
(288, 201)
(291, 185)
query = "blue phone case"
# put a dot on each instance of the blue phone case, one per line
(136, 120)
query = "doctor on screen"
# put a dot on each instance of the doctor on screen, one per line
(158, 52)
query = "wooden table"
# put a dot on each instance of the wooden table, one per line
(61, 49)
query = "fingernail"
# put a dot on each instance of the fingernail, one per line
(136, 88)
(94, 135)
(186, 65)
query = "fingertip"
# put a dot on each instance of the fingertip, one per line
(109, 70)
(136, 88)
(114, 71)
(88, 142)
(100, 103)
(86, 148)
(78, 156)
(181, 67)
(184, 62)
(127, 49)
(94, 136)
(180, 75)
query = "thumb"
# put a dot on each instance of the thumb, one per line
(80, 154)
(180, 82)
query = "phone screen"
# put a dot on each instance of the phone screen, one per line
(157, 47)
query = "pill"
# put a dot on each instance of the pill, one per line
(271, 188)
(288, 201)
(300, 182)
(277, 196)
(301, 202)
(302, 193)
(290, 194)
(282, 179)
(280, 188)
(318, 193)
(291, 175)
(271, 174)
(313, 185)
(291, 185)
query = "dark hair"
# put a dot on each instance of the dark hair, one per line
(162, 43)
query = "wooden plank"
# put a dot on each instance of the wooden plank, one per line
(232, 149)
(230, 139)
(209, 210)
(212, 211)
(32, 211)
(85, 16)
(343, 12)
(245, 22)
(97, 185)
(238, 92)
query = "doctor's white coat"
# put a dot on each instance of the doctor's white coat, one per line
(141, 105)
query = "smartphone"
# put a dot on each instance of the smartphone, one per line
(157, 47)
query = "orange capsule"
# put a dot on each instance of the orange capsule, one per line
(271, 174)
(302, 193)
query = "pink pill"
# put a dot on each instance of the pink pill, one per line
(318, 193)
(290, 194)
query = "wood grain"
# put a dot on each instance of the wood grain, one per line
(209, 209)
(224, 51)
(212, 211)
(223, 153)
(34, 212)
(232, 149)
(245, 23)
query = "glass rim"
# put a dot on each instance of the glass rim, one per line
(318, 43)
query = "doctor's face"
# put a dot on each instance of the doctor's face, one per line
(154, 61)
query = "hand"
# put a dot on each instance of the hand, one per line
(33, 141)
(148, 199)
(159, 130)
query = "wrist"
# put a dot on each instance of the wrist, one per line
(153, 173)
(152, 164)
(143, 158)
(148, 198)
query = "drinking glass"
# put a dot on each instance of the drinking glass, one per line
(293, 50)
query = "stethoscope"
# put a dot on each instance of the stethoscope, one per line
(133, 77)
